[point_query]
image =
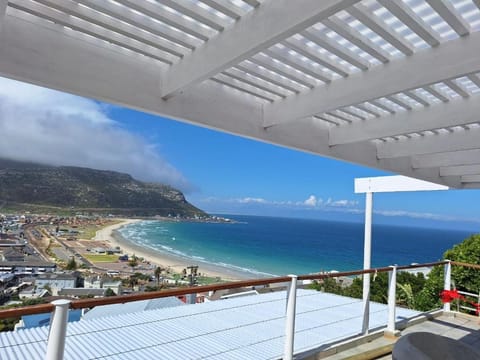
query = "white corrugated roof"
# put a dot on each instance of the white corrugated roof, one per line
(240, 328)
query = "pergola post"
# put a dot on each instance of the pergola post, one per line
(368, 186)
(447, 283)
(367, 256)
(290, 318)
(58, 330)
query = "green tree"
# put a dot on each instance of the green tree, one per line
(110, 292)
(467, 279)
(133, 261)
(72, 264)
(158, 273)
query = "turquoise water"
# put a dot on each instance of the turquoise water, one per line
(267, 245)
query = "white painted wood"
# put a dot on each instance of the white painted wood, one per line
(457, 112)
(464, 140)
(265, 75)
(436, 93)
(406, 15)
(38, 53)
(471, 178)
(446, 10)
(253, 3)
(395, 183)
(452, 59)
(3, 10)
(107, 22)
(259, 29)
(290, 314)
(97, 32)
(341, 51)
(231, 10)
(364, 15)
(452, 84)
(392, 300)
(474, 78)
(285, 57)
(58, 330)
(311, 54)
(367, 260)
(195, 12)
(454, 158)
(356, 38)
(149, 25)
(264, 61)
(447, 283)
(459, 170)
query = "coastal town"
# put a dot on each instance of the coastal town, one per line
(44, 257)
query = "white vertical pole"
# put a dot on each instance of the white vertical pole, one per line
(367, 254)
(58, 330)
(392, 295)
(290, 318)
(447, 282)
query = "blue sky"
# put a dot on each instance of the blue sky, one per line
(231, 174)
(218, 172)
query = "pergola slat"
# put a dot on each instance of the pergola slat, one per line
(99, 33)
(412, 20)
(357, 39)
(95, 17)
(364, 15)
(448, 13)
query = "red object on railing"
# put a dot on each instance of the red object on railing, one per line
(447, 296)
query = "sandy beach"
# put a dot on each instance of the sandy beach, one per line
(176, 264)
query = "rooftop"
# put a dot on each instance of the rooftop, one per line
(217, 330)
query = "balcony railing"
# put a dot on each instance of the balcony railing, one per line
(60, 308)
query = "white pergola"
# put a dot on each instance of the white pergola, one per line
(390, 84)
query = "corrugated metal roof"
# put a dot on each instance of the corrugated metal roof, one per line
(135, 306)
(240, 328)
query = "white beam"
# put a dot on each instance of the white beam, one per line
(460, 170)
(453, 59)
(396, 183)
(465, 140)
(455, 113)
(465, 157)
(259, 29)
(471, 178)
(3, 10)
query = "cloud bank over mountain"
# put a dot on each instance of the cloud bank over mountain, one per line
(50, 127)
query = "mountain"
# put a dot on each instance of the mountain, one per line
(87, 189)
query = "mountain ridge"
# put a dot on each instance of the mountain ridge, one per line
(23, 183)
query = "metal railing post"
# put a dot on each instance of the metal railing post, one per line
(447, 283)
(392, 297)
(290, 318)
(58, 330)
(367, 254)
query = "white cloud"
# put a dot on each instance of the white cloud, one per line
(311, 201)
(249, 200)
(50, 127)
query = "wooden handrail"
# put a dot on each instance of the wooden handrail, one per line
(458, 263)
(89, 303)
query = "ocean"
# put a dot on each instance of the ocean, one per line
(258, 246)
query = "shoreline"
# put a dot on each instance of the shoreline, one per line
(111, 235)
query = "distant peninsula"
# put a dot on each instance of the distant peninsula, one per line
(36, 187)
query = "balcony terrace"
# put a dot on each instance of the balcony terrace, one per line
(300, 324)
(389, 84)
